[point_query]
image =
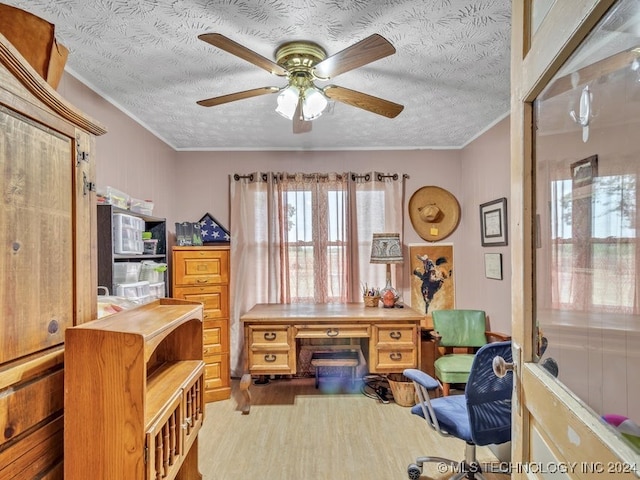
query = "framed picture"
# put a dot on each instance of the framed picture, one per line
(212, 231)
(493, 265)
(493, 223)
(432, 286)
(583, 171)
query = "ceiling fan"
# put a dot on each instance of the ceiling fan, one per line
(302, 63)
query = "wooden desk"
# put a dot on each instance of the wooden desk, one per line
(391, 336)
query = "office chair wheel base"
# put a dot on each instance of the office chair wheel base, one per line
(414, 471)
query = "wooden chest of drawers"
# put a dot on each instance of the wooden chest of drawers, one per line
(201, 274)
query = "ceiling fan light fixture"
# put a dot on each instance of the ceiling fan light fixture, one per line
(288, 101)
(313, 104)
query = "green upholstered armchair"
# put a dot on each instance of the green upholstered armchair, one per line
(456, 329)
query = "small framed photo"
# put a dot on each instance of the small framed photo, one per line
(493, 265)
(584, 171)
(493, 223)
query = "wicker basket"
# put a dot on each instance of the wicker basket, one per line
(404, 393)
(370, 301)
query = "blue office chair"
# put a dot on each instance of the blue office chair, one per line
(481, 416)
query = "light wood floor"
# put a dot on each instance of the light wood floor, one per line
(297, 432)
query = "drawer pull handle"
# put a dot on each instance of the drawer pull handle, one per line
(270, 336)
(396, 335)
(202, 280)
(270, 358)
(395, 356)
(333, 332)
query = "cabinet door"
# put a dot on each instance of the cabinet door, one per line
(36, 228)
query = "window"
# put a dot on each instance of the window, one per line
(316, 244)
(594, 256)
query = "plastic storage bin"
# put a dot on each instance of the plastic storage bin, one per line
(157, 290)
(126, 272)
(111, 196)
(145, 207)
(150, 246)
(153, 272)
(127, 234)
(137, 292)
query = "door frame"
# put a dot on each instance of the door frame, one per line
(568, 429)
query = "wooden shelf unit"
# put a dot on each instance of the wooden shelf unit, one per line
(201, 274)
(134, 394)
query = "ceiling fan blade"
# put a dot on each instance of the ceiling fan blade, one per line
(364, 101)
(234, 48)
(299, 123)
(232, 97)
(365, 51)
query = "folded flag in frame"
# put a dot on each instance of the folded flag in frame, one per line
(212, 230)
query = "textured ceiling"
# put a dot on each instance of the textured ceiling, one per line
(450, 70)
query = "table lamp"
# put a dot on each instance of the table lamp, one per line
(386, 248)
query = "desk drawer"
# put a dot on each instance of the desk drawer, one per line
(269, 337)
(394, 335)
(271, 362)
(393, 360)
(333, 331)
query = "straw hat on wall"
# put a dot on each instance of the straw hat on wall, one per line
(434, 213)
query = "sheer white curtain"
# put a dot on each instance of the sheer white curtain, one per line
(255, 249)
(300, 237)
(378, 208)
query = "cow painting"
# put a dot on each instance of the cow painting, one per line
(432, 275)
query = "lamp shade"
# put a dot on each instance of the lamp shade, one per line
(288, 101)
(386, 248)
(313, 104)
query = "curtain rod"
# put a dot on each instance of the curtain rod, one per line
(354, 176)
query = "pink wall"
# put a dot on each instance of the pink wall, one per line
(130, 158)
(485, 177)
(186, 185)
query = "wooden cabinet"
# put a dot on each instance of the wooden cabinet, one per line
(201, 274)
(107, 258)
(134, 394)
(47, 261)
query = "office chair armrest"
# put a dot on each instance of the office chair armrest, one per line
(423, 379)
(497, 337)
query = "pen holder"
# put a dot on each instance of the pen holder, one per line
(370, 301)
